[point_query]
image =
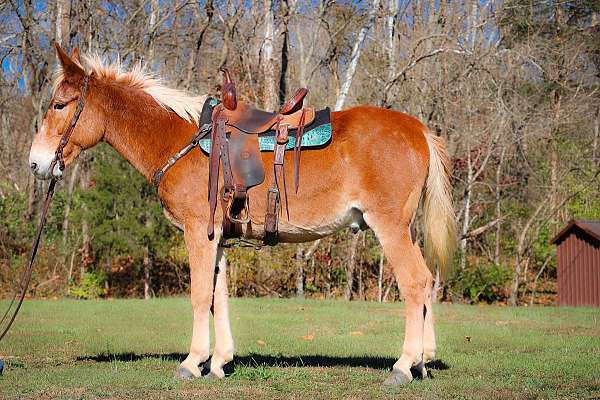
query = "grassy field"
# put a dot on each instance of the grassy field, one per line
(298, 349)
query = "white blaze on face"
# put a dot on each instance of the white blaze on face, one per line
(41, 156)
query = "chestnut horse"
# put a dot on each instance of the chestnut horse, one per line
(373, 173)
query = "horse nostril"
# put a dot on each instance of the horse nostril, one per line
(34, 166)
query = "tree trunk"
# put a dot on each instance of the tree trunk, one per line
(307, 56)
(390, 28)
(416, 16)
(437, 286)
(86, 245)
(595, 144)
(360, 284)
(514, 288)
(521, 248)
(63, 22)
(86, 242)
(300, 271)
(147, 265)
(147, 262)
(154, 15)
(380, 277)
(351, 266)
(68, 205)
(90, 25)
(467, 211)
(194, 58)
(33, 198)
(268, 61)
(284, 52)
(472, 23)
(498, 193)
(31, 76)
(356, 50)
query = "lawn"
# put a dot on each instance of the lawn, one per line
(298, 349)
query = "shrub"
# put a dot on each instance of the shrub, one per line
(91, 286)
(487, 282)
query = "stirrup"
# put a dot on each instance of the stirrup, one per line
(245, 212)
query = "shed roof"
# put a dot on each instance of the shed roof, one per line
(592, 228)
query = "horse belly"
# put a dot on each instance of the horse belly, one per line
(297, 231)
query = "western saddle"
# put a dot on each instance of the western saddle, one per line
(235, 149)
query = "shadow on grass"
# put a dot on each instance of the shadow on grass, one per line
(255, 360)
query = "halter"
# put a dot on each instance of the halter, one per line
(64, 140)
(58, 158)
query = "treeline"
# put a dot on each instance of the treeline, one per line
(511, 85)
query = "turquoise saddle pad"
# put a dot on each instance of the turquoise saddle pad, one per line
(316, 137)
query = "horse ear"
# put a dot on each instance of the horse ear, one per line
(75, 55)
(69, 66)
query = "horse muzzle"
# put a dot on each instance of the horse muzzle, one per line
(42, 164)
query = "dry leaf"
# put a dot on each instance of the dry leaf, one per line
(261, 343)
(356, 333)
(308, 337)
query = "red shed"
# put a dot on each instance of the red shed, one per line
(578, 263)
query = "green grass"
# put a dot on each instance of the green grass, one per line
(130, 349)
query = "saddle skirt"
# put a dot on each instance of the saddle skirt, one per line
(316, 135)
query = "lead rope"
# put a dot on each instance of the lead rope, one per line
(58, 159)
(26, 277)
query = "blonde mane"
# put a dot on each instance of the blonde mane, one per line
(184, 105)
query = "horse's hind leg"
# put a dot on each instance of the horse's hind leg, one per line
(414, 281)
(429, 343)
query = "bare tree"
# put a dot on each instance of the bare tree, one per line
(349, 76)
(268, 62)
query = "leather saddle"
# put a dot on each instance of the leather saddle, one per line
(235, 150)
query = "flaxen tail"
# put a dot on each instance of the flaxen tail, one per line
(438, 213)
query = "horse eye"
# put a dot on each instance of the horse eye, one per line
(59, 106)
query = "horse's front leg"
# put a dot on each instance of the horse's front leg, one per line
(223, 351)
(202, 254)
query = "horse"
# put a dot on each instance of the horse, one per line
(374, 173)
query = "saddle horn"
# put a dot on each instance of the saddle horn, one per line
(295, 103)
(228, 95)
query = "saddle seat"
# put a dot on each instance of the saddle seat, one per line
(253, 120)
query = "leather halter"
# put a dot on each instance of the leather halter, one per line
(64, 140)
(58, 158)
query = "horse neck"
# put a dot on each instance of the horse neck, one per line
(143, 132)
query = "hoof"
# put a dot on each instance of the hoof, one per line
(428, 355)
(184, 374)
(398, 378)
(212, 376)
(419, 371)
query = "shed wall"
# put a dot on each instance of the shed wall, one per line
(578, 270)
